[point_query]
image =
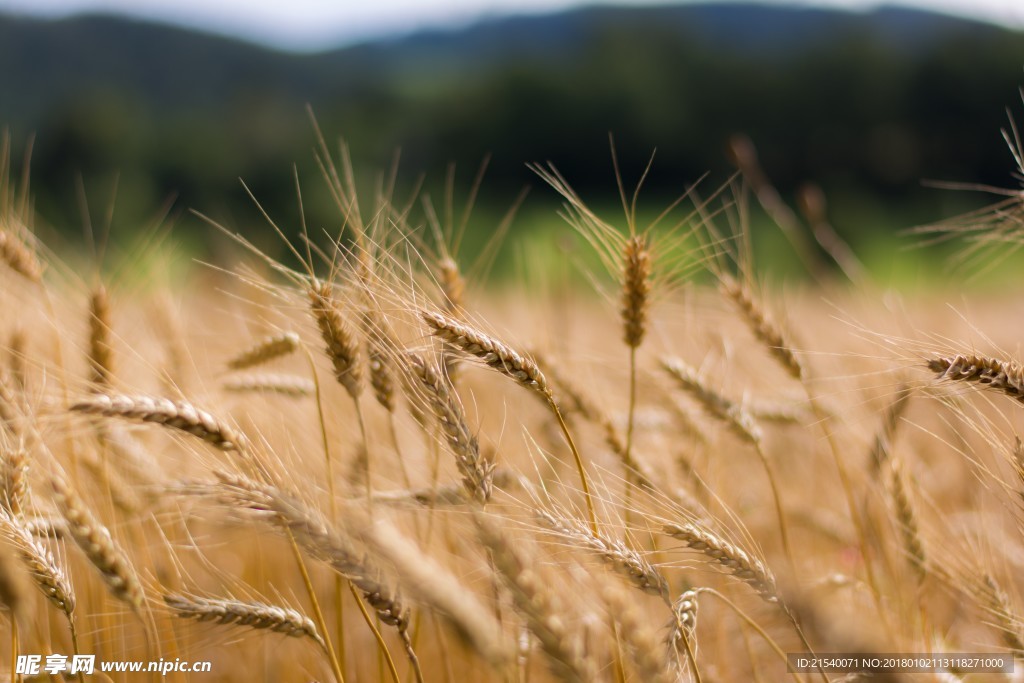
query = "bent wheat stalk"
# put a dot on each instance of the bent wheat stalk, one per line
(1006, 377)
(255, 615)
(172, 414)
(522, 370)
(95, 541)
(265, 350)
(477, 472)
(734, 559)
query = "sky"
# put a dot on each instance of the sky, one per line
(308, 25)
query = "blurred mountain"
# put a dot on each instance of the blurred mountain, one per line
(863, 103)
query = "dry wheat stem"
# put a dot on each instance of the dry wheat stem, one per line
(12, 589)
(743, 426)
(173, 414)
(255, 615)
(636, 467)
(96, 542)
(265, 350)
(16, 359)
(454, 495)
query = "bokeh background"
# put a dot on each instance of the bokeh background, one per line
(175, 108)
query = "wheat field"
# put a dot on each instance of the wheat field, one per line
(370, 466)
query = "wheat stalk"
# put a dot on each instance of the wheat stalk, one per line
(643, 646)
(265, 350)
(18, 258)
(16, 359)
(488, 350)
(101, 357)
(906, 519)
(881, 448)
(48, 576)
(734, 559)
(255, 615)
(172, 414)
(716, 405)
(998, 603)
(319, 540)
(1006, 377)
(535, 599)
(615, 554)
(434, 585)
(12, 590)
(271, 383)
(764, 330)
(339, 338)
(636, 289)
(95, 541)
(14, 481)
(521, 369)
(453, 495)
(477, 472)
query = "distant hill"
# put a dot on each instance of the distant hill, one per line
(47, 62)
(863, 103)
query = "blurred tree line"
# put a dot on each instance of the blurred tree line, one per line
(866, 105)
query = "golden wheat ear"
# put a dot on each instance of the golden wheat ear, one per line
(264, 351)
(18, 257)
(48, 576)
(256, 615)
(477, 471)
(731, 557)
(180, 415)
(101, 354)
(538, 603)
(488, 350)
(12, 584)
(339, 338)
(636, 289)
(95, 541)
(1006, 377)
